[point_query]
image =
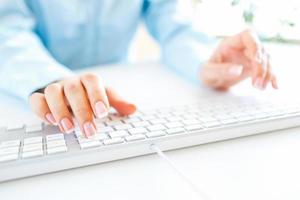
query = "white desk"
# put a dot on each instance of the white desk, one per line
(258, 167)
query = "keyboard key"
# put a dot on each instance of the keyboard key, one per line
(131, 120)
(222, 116)
(31, 154)
(175, 130)
(149, 113)
(10, 157)
(148, 117)
(113, 141)
(174, 124)
(194, 127)
(116, 134)
(229, 121)
(135, 137)
(58, 136)
(116, 117)
(212, 124)
(157, 121)
(156, 127)
(9, 150)
(9, 143)
(123, 127)
(78, 133)
(33, 127)
(174, 119)
(33, 140)
(141, 124)
(246, 118)
(206, 119)
(100, 125)
(165, 115)
(56, 143)
(83, 139)
(86, 145)
(55, 150)
(100, 136)
(155, 134)
(32, 147)
(191, 122)
(105, 129)
(12, 127)
(139, 130)
(136, 114)
(114, 123)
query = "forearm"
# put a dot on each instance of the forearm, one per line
(25, 65)
(186, 52)
(183, 49)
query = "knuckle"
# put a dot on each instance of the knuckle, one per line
(52, 88)
(90, 77)
(82, 113)
(35, 97)
(71, 85)
(37, 103)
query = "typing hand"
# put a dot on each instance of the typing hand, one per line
(237, 58)
(83, 96)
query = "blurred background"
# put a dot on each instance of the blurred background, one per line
(276, 21)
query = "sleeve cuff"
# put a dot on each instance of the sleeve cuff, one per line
(187, 52)
(33, 78)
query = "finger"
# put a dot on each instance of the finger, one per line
(222, 76)
(268, 73)
(80, 105)
(117, 102)
(246, 40)
(55, 99)
(96, 94)
(274, 82)
(39, 106)
(249, 42)
(260, 70)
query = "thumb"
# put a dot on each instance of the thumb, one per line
(116, 101)
(221, 75)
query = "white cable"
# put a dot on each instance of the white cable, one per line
(193, 186)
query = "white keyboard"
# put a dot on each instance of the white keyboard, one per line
(27, 150)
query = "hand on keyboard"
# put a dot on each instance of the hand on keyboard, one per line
(83, 96)
(239, 57)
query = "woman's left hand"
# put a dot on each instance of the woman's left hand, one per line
(238, 57)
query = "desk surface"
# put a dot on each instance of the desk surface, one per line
(257, 167)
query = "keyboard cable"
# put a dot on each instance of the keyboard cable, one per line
(193, 186)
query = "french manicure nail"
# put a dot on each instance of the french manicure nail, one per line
(235, 71)
(100, 110)
(89, 129)
(50, 118)
(67, 125)
(257, 84)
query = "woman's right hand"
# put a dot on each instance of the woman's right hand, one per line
(83, 96)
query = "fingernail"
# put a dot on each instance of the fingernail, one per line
(89, 129)
(100, 110)
(235, 71)
(67, 125)
(258, 83)
(50, 118)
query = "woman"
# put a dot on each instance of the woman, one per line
(41, 41)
